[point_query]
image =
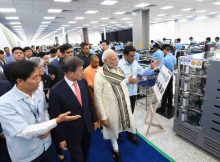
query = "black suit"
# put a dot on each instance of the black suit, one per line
(8, 69)
(76, 133)
(47, 81)
(5, 86)
(3, 63)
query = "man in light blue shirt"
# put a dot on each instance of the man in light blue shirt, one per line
(217, 43)
(8, 56)
(23, 116)
(132, 69)
(169, 61)
(192, 43)
(178, 45)
(158, 54)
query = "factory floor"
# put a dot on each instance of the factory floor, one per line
(175, 146)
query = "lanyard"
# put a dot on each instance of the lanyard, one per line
(35, 112)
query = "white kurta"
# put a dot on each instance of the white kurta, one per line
(107, 106)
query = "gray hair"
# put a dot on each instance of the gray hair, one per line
(106, 54)
(37, 60)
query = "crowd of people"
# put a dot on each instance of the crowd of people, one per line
(61, 98)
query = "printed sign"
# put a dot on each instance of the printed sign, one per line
(196, 63)
(162, 82)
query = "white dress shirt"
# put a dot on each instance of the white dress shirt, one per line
(70, 83)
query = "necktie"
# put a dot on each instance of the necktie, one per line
(77, 92)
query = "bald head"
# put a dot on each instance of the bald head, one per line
(110, 58)
(94, 61)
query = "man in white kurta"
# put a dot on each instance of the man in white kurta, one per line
(113, 103)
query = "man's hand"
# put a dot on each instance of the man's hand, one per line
(132, 80)
(65, 117)
(105, 122)
(95, 125)
(52, 77)
(42, 136)
(63, 145)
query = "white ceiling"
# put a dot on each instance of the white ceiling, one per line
(32, 12)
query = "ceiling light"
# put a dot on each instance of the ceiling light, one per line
(190, 17)
(142, 5)
(6, 10)
(103, 25)
(104, 18)
(49, 17)
(86, 25)
(54, 10)
(112, 22)
(79, 18)
(187, 9)
(183, 20)
(71, 22)
(161, 15)
(18, 29)
(108, 2)
(216, 3)
(199, 0)
(201, 11)
(45, 22)
(213, 13)
(94, 22)
(119, 13)
(166, 7)
(17, 26)
(129, 22)
(62, 0)
(41, 28)
(158, 19)
(65, 25)
(126, 18)
(201, 18)
(177, 15)
(79, 27)
(91, 12)
(12, 18)
(15, 23)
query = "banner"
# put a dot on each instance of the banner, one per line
(162, 82)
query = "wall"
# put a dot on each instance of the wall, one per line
(199, 29)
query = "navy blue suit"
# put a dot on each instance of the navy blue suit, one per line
(76, 133)
(5, 86)
(56, 63)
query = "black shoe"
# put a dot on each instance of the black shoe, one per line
(116, 156)
(132, 138)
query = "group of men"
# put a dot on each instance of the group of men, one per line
(82, 97)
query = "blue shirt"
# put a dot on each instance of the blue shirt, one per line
(169, 61)
(131, 69)
(16, 113)
(137, 56)
(178, 46)
(9, 58)
(217, 44)
(158, 55)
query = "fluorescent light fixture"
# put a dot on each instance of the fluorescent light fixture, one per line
(177, 15)
(201, 18)
(91, 12)
(41, 28)
(45, 22)
(216, 3)
(183, 20)
(94, 22)
(112, 22)
(187, 9)
(17, 26)
(71, 22)
(79, 18)
(199, 0)
(166, 7)
(129, 22)
(142, 5)
(54, 10)
(12, 18)
(126, 18)
(213, 13)
(6, 10)
(104, 18)
(86, 25)
(49, 17)
(65, 25)
(108, 2)
(15, 23)
(158, 19)
(119, 13)
(79, 27)
(201, 11)
(161, 15)
(18, 29)
(62, 0)
(190, 17)
(103, 25)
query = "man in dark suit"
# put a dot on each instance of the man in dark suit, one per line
(72, 94)
(85, 54)
(5, 86)
(2, 61)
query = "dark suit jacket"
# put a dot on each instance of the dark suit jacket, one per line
(3, 64)
(8, 73)
(5, 86)
(56, 63)
(85, 59)
(48, 83)
(61, 100)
